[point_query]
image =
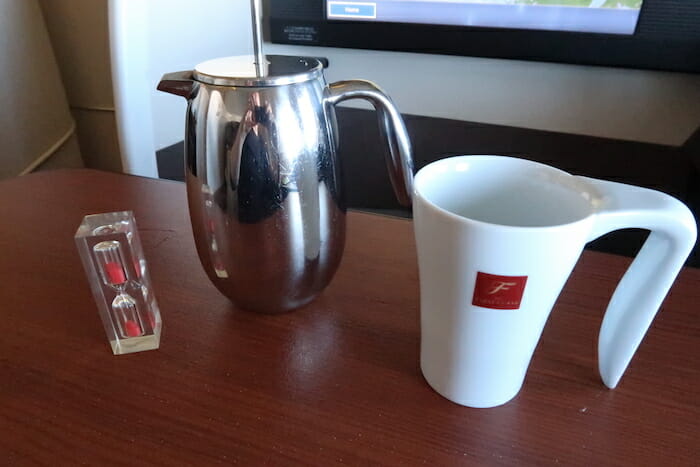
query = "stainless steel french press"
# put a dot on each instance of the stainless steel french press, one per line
(263, 179)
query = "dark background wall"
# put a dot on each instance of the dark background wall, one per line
(673, 170)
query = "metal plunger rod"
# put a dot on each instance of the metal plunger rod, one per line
(256, 14)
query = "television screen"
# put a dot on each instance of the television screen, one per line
(647, 34)
(594, 16)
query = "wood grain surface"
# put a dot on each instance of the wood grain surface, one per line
(336, 382)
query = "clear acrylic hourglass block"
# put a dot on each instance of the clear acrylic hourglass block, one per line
(112, 256)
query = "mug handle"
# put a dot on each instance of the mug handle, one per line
(644, 286)
(399, 159)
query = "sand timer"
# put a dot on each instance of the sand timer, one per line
(110, 262)
(110, 248)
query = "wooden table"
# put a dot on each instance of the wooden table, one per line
(336, 382)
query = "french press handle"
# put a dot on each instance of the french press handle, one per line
(399, 159)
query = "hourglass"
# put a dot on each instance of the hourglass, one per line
(109, 259)
(110, 248)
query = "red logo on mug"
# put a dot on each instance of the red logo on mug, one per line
(498, 292)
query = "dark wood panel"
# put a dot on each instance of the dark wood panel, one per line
(665, 168)
(334, 383)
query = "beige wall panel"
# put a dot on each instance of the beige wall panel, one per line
(97, 133)
(80, 34)
(637, 105)
(34, 112)
(66, 157)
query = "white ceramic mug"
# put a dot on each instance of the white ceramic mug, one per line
(497, 238)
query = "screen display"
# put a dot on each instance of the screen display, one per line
(592, 16)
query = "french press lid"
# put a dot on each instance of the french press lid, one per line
(240, 70)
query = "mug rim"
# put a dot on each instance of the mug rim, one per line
(421, 174)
